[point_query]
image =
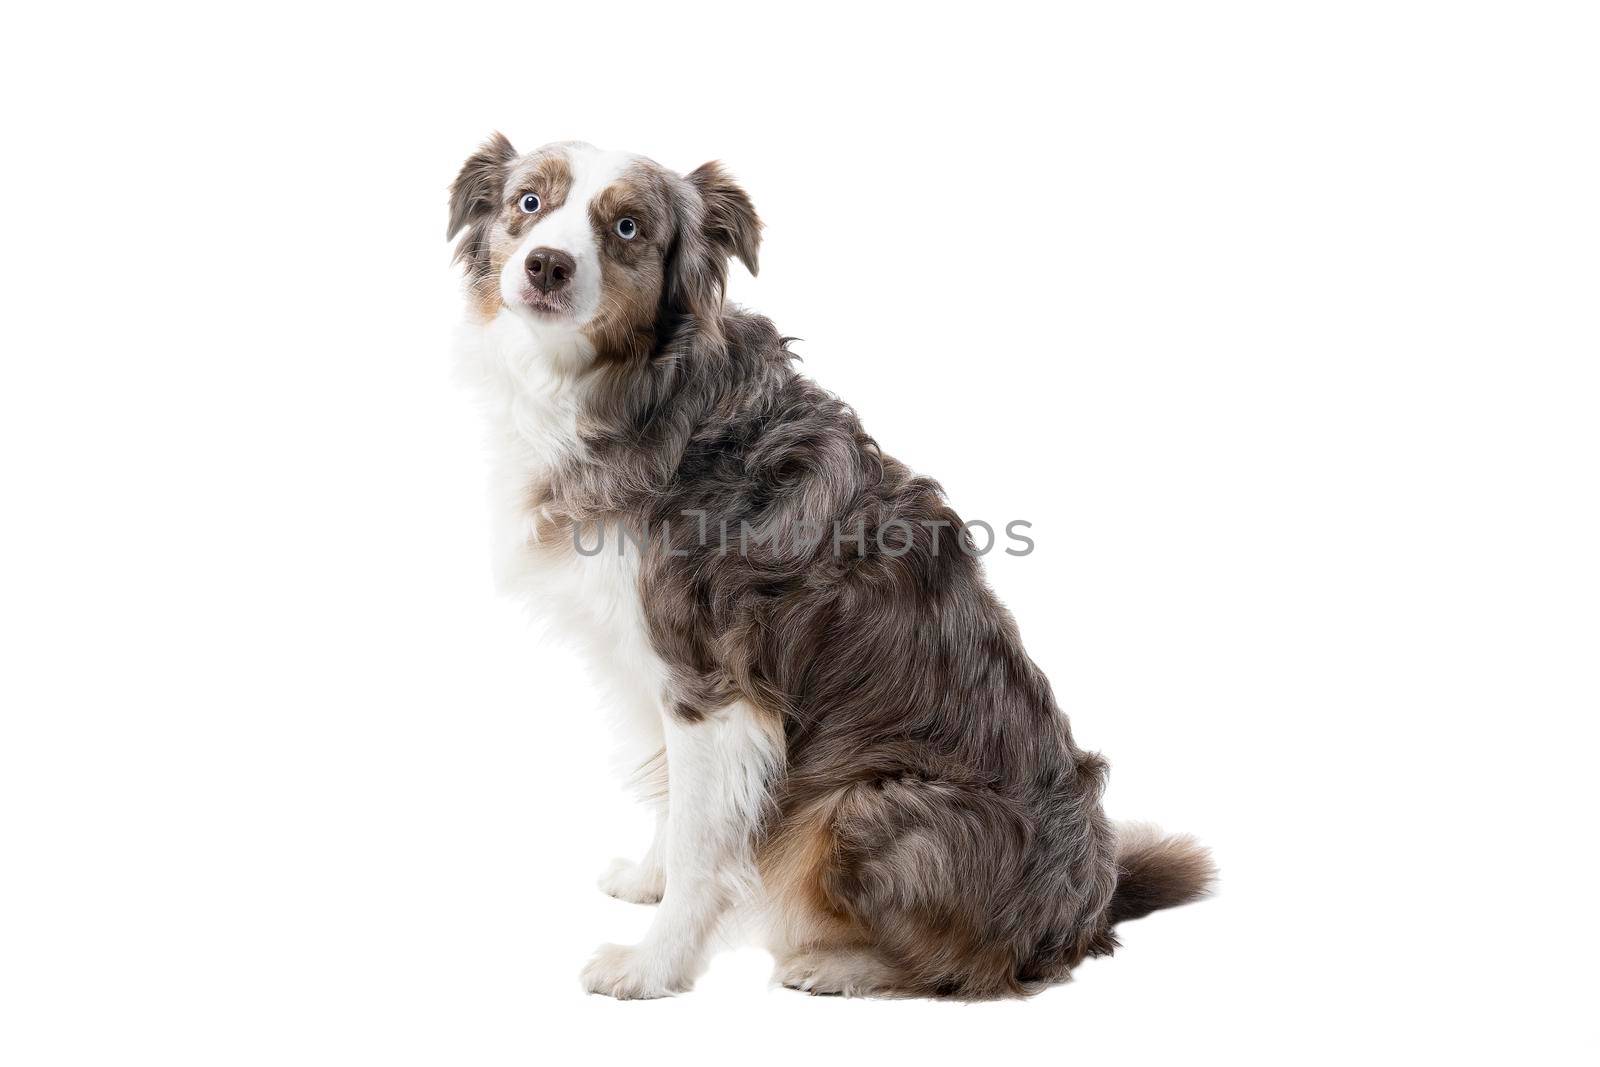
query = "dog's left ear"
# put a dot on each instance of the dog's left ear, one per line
(730, 224)
(717, 222)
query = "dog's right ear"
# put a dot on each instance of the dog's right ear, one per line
(475, 196)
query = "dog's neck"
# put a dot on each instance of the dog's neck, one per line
(531, 384)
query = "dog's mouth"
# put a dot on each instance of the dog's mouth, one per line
(552, 304)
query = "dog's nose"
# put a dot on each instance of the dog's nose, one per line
(549, 269)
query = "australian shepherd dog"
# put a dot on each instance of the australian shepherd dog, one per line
(837, 724)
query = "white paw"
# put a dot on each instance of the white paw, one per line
(843, 973)
(629, 972)
(633, 882)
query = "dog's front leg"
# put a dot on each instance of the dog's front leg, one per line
(720, 765)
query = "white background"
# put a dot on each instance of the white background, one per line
(1278, 321)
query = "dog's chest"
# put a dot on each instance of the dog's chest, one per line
(592, 594)
(589, 598)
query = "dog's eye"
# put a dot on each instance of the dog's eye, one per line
(530, 203)
(627, 229)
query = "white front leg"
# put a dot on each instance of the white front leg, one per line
(719, 770)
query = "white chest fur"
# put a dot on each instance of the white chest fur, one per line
(591, 601)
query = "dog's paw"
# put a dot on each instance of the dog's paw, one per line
(834, 974)
(633, 882)
(628, 972)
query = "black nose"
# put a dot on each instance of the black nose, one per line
(550, 270)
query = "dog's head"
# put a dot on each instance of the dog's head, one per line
(602, 247)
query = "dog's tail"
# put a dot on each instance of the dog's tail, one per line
(1157, 871)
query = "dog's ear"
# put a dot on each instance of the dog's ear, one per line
(716, 221)
(730, 223)
(475, 198)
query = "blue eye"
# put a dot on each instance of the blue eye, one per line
(627, 229)
(530, 203)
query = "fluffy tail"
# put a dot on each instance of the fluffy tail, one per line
(1156, 871)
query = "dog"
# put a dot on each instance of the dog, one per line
(842, 733)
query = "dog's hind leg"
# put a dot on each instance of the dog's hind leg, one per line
(913, 885)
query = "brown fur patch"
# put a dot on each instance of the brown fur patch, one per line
(633, 272)
(793, 864)
(546, 174)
